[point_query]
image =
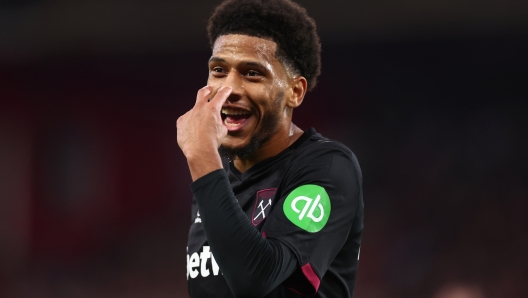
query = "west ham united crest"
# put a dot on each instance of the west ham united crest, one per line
(262, 205)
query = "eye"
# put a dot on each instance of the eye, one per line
(217, 69)
(253, 73)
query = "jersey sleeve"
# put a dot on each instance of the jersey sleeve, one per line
(318, 203)
(252, 265)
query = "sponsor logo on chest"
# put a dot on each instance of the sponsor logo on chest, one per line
(198, 265)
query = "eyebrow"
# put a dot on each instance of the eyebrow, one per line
(253, 63)
(216, 59)
(246, 63)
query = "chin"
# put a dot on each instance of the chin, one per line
(235, 142)
(239, 150)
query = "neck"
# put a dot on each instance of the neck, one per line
(276, 144)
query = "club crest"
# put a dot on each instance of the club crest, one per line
(262, 205)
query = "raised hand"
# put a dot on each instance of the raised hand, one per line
(200, 131)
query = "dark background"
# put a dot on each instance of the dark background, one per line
(94, 191)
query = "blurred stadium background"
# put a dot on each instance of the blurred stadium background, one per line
(431, 96)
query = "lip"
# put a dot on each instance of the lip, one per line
(239, 126)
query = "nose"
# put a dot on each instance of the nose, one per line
(236, 82)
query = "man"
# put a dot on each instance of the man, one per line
(277, 212)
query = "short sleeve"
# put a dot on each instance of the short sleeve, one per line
(316, 209)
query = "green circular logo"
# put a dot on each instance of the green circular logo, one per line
(308, 207)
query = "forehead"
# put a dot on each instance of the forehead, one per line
(239, 46)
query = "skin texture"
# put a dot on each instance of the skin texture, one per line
(244, 75)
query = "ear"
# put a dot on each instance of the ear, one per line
(298, 88)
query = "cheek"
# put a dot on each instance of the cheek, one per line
(215, 84)
(211, 80)
(264, 101)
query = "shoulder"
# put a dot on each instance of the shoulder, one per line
(314, 141)
(321, 160)
(317, 149)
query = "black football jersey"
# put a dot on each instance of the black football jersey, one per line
(310, 198)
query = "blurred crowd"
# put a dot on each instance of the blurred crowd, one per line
(95, 198)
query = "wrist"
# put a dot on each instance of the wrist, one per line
(201, 164)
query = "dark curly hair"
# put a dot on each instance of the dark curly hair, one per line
(282, 21)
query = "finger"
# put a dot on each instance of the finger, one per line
(181, 119)
(221, 96)
(203, 94)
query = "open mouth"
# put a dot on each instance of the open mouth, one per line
(234, 118)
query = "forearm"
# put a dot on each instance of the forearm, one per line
(251, 264)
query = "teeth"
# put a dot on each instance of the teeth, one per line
(229, 111)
